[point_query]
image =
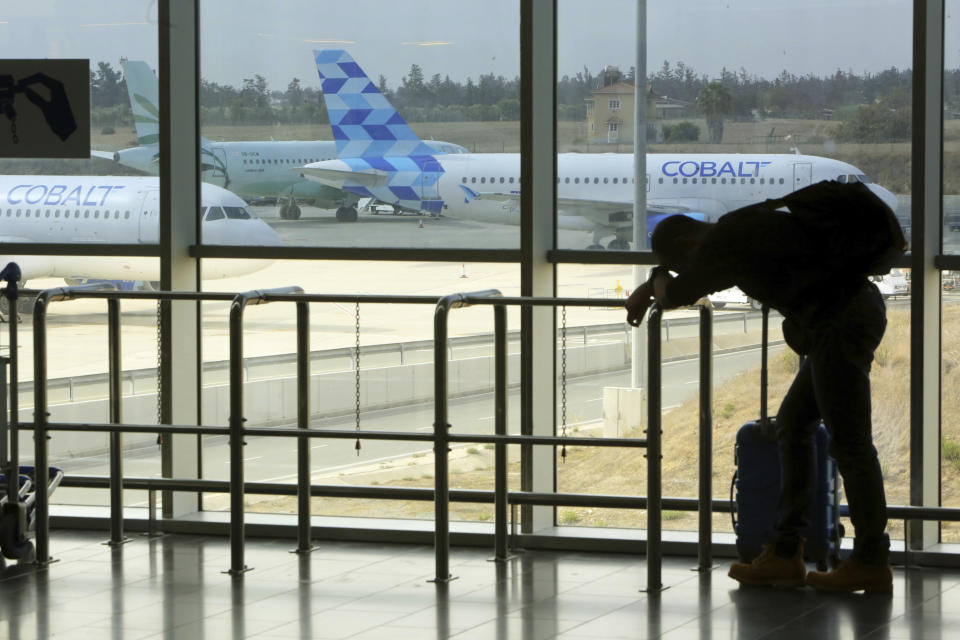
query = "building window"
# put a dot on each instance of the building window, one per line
(614, 104)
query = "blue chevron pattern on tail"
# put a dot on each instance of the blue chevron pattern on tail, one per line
(370, 134)
(364, 123)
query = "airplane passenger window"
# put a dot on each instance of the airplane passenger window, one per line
(237, 213)
(116, 215)
(753, 180)
(464, 182)
(96, 214)
(501, 180)
(483, 180)
(27, 215)
(473, 180)
(216, 213)
(576, 181)
(605, 181)
(566, 180)
(18, 213)
(781, 180)
(86, 214)
(511, 180)
(614, 180)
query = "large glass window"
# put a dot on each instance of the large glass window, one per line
(738, 108)
(390, 387)
(349, 134)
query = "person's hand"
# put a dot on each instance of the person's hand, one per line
(637, 304)
(659, 281)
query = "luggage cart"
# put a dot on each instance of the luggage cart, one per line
(17, 483)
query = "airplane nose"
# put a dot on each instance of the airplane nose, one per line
(266, 236)
(888, 198)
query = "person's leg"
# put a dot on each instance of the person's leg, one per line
(840, 369)
(797, 420)
(781, 562)
(841, 379)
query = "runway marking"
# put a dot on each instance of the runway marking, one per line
(317, 446)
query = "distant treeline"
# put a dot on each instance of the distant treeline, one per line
(874, 107)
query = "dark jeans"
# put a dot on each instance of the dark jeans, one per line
(833, 385)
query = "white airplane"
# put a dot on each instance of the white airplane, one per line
(380, 157)
(117, 210)
(250, 169)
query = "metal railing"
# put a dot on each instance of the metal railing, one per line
(237, 431)
(441, 438)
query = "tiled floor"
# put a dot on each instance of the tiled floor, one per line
(173, 587)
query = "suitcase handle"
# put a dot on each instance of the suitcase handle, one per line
(764, 338)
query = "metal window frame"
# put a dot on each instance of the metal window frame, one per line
(538, 47)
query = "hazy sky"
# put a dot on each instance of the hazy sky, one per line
(241, 38)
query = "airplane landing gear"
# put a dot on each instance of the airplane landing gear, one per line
(347, 214)
(618, 244)
(290, 211)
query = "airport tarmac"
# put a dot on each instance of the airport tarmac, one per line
(77, 335)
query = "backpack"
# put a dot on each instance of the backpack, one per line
(858, 232)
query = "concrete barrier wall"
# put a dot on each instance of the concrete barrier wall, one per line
(274, 401)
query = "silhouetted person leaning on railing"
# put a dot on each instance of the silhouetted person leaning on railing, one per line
(810, 264)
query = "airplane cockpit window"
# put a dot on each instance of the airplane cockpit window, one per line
(237, 213)
(215, 213)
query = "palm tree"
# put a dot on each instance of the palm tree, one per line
(714, 102)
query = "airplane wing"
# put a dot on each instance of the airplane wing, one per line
(106, 155)
(337, 178)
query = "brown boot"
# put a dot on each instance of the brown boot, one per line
(853, 575)
(770, 570)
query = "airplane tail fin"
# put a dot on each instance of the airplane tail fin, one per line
(144, 93)
(364, 123)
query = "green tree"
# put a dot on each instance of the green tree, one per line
(714, 102)
(106, 89)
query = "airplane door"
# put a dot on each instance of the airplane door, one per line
(430, 180)
(149, 218)
(802, 174)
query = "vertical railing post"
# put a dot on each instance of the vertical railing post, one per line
(116, 438)
(500, 428)
(654, 488)
(40, 416)
(705, 502)
(13, 478)
(12, 469)
(237, 566)
(441, 444)
(303, 422)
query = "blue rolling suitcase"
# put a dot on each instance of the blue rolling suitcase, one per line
(756, 483)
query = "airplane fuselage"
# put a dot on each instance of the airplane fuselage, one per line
(487, 186)
(114, 210)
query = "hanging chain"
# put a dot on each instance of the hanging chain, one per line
(563, 381)
(356, 368)
(159, 359)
